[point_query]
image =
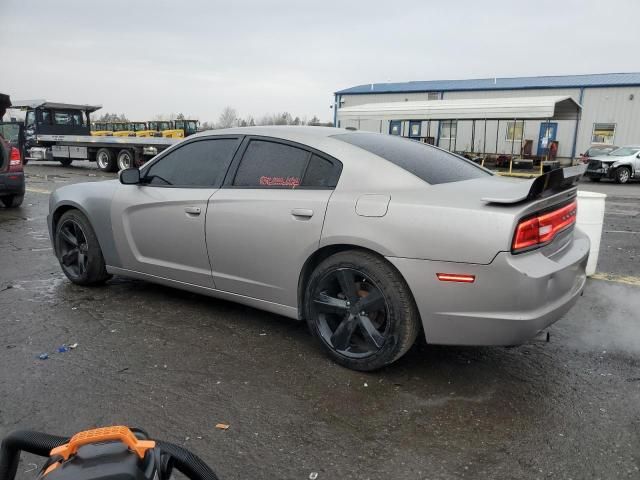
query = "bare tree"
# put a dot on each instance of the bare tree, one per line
(113, 117)
(228, 118)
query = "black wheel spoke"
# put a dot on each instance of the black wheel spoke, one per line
(347, 282)
(82, 262)
(327, 304)
(370, 332)
(70, 257)
(373, 302)
(341, 338)
(69, 237)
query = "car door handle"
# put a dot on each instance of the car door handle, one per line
(192, 210)
(302, 212)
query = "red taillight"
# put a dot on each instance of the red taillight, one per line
(15, 161)
(543, 228)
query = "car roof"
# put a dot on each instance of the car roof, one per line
(286, 132)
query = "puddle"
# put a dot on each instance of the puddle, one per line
(47, 290)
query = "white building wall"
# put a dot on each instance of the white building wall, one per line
(619, 105)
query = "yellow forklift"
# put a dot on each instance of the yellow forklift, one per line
(101, 129)
(122, 129)
(163, 128)
(174, 128)
(188, 127)
(141, 129)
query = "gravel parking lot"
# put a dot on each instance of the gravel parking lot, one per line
(177, 364)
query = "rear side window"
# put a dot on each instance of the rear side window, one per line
(426, 162)
(62, 118)
(203, 163)
(271, 165)
(321, 173)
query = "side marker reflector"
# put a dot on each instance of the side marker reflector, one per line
(456, 277)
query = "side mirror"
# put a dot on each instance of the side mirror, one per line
(638, 156)
(130, 176)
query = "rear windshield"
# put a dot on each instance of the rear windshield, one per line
(429, 163)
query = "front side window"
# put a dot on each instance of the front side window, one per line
(449, 129)
(77, 119)
(192, 127)
(203, 163)
(431, 164)
(603, 133)
(30, 118)
(46, 117)
(271, 165)
(515, 131)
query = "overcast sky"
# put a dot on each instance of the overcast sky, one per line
(152, 57)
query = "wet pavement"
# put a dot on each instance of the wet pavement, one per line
(177, 364)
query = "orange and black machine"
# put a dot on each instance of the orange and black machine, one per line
(108, 453)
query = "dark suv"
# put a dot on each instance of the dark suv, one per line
(11, 168)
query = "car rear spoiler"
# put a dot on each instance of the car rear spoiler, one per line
(545, 185)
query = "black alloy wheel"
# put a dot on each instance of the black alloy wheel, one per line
(351, 312)
(361, 309)
(78, 250)
(73, 249)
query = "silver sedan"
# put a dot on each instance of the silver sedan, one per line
(371, 239)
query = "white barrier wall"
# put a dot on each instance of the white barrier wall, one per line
(590, 221)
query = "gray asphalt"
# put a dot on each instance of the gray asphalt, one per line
(177, 364)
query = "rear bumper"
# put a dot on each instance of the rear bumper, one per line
(511, 300)
(11, 183)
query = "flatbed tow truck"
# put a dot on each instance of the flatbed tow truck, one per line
(62, 132)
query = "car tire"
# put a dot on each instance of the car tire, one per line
(78, 251)
(595, 179)
(623, 175)
(65, 162)
(12, 201)
(106, 160)
(356, 333)
(126, 159)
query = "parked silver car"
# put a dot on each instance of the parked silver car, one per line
(370, 238)
(621, 165)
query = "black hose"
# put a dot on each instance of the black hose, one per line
(41, 444)
(32, 442)
(186, 462)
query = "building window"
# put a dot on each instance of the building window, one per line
(433, 96)
(395, 127)
(448, 129)
(603, 133)
(515, 131)
(414, 128)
